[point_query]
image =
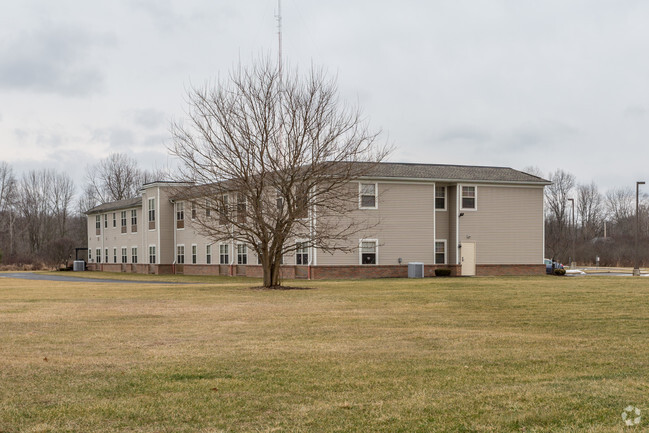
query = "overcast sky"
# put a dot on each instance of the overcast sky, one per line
(552, 84)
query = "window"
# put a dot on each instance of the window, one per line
(224, 257)
(440, 252)
(114, 219)
(152, 254)
(89, 255)
(208, 209)
(368, 196)
(134, 255)
(241, 208)
(280, 201)
(193, 207)
(134, 220)
(368, 251)
(98, 255)
(301, 253)
(105, 220)
(98, 225)
(114, 255)
(180, 215)
(301, 204)
(180, 254)
(123, 215)
(440, 197)
(468, 197)
(106, 255)
(208, 254)
(194, 254)
(152, 214)
(242, 254)
(223, 211)
(124, 255)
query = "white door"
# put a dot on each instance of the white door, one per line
(467, 253)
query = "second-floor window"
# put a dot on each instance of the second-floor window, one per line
(193, 207)
(123, 215)
(440, 197)
(223, 210)
(468, 197)
(114, 219)
(367, 196)
(105, 220)
(98, 225)
(151, 213)
(134, 218)
(241, 208)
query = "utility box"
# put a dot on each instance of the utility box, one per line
(79, 265)
(415, 270)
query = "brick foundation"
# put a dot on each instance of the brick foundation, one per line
(290, 272)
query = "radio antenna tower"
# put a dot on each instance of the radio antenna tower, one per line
(279, 36)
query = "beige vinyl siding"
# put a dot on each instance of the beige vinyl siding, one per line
(451, 205)
(405, 212)
(112, 237)
(507, 227)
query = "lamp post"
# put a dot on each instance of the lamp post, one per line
(636, 268)
(572, 262)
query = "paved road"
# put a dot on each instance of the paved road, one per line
(71, 279)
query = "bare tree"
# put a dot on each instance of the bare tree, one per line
(557, 217)
(269, 152)
(115, 177)
(590, 210)
(8, 193)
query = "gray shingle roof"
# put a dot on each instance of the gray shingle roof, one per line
(442, 172)
(116, 205)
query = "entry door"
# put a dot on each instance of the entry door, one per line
(468, 258)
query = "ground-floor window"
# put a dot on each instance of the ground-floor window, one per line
(180, 254)
(369, 251)
(152, 254)
(301, 253)
(440, 252)
(106, 255)
(224, 256)
(124, 255)
(114, 255)
(98, 255)
(242, 254)
(89, 255)
(208, 254)
(194, 253)
(134, 255)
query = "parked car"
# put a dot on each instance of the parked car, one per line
(551, 265)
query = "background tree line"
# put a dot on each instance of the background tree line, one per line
(604, 223)
(42, 219)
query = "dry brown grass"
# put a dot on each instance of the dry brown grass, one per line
(458, 355)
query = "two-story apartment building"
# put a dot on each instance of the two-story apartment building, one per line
(474, 220)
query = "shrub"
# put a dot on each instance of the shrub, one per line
(559, 271)
(442, 272)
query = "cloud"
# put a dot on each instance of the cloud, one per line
(465, 133)
(117, 138)
(52, 60)
(149, 118)
(635, 111)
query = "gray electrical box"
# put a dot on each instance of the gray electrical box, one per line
(415, 270)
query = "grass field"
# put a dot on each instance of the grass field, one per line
(544, 354)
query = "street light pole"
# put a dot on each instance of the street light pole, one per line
(636, 268)
(572, 262)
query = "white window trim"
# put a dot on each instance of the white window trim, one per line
(208, 248)
(148, 213)
(308, 252)
(360, 251)
(176, 218)
(469, 209)
(445, 208)
(155, 253)
(184, 255)
(227, 244)
(137, 254)
(124, 253)
(376, 195)
(445, 252)
(237, 252)
(194, 248)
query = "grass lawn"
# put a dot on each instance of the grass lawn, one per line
(544, 354)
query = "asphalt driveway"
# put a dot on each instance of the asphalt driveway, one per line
(71, 279)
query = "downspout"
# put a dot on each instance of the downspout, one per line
(173, 264)
(457, 224)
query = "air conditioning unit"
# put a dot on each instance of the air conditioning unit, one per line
(415, 270)
(79, 265)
